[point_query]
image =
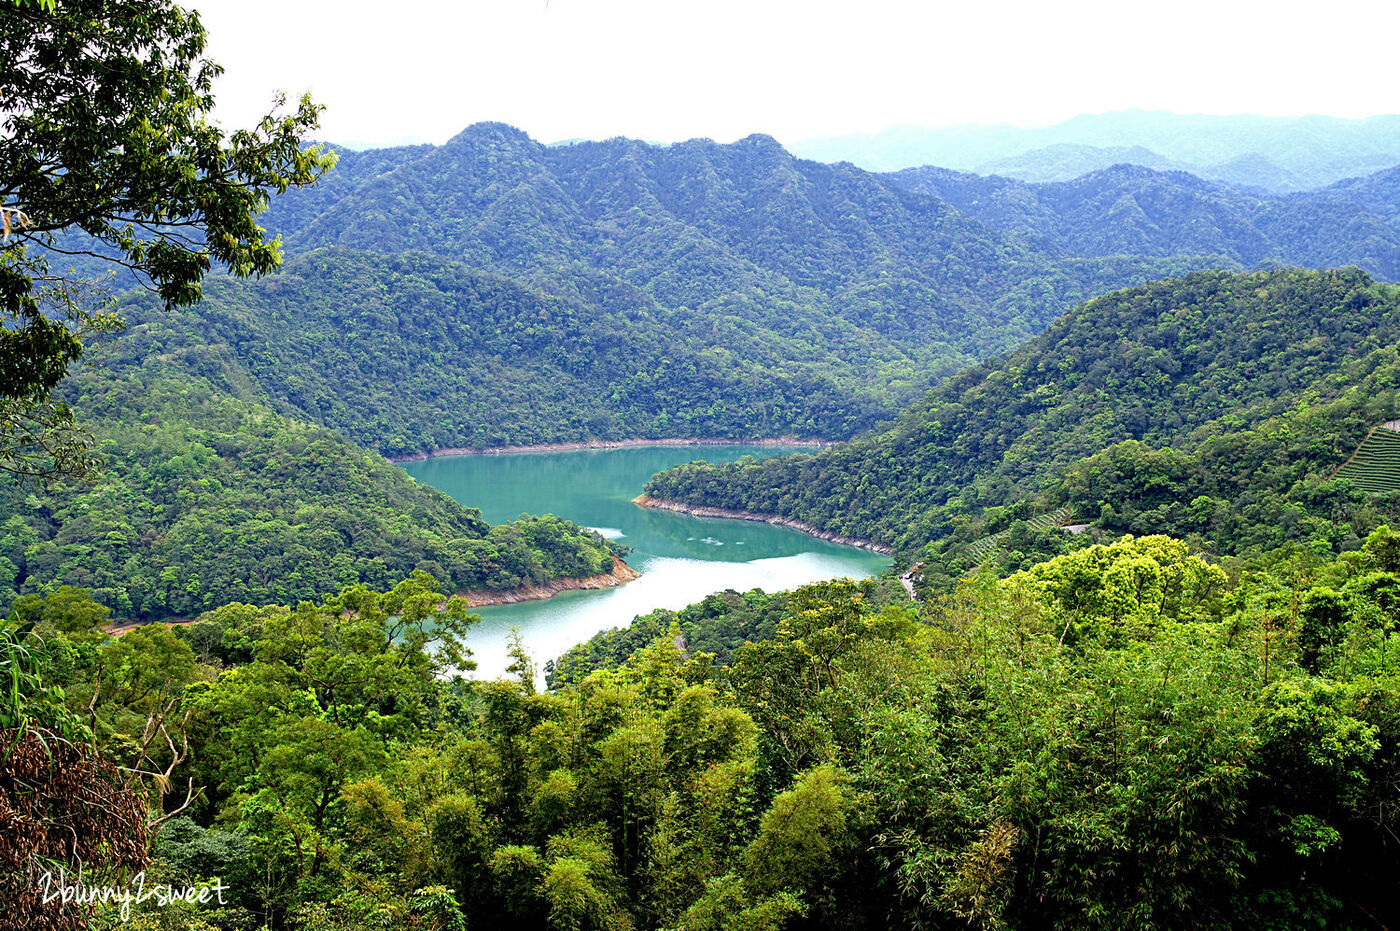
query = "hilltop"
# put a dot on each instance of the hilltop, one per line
(1187, 366)
(494, 290)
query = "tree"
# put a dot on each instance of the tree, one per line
(107, 151)
(62, 808)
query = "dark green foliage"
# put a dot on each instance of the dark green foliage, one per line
(1189, 384)
(206, 499)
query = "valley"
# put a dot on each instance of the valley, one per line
(611, 535)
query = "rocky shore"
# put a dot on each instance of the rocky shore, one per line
(620, 574)
(605, 444)
(695, 510)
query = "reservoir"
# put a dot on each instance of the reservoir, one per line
(682, 558)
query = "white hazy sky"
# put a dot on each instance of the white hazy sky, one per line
(666, 71)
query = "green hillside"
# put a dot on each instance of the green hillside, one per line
(408, 352)
(1169, 365)
(203, 498)
(496, 291)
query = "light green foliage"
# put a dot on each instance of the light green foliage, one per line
(1125, 710)
(435, 908)
(802, 837)
(727, 905)
(67, 609)
(1123, 589)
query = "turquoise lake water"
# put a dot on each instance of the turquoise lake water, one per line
(682, 558)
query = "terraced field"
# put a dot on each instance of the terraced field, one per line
(1375, 466)
(985, 546)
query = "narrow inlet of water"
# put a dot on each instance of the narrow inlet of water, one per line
(682, 558)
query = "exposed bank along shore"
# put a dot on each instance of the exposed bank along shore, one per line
(695, 510)
(604, 444)
(620, 574)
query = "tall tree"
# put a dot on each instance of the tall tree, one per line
(107, 150)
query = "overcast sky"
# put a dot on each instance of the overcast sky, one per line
(666, 71)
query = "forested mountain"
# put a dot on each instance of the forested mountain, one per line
(494, 291)
(697, 290)
(1280, 154)
(1128, 209)
(698, 228)
(205, 496)
(1171, 365)
(628, 291)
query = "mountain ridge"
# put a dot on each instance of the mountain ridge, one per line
(1304, 152)
(1155, 364)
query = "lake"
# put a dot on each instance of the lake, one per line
(682, 558)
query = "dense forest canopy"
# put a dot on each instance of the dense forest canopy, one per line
(1187, 366)
(497, 291)
(1186, 714)
(1124, 735)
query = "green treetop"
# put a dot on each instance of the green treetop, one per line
(107, 151)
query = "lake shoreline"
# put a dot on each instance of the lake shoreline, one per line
(620, 574)
(695, 510)
(604, 444)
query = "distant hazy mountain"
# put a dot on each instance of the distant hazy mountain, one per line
(1274, 153)
(1127, 209)
(1065, 161)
